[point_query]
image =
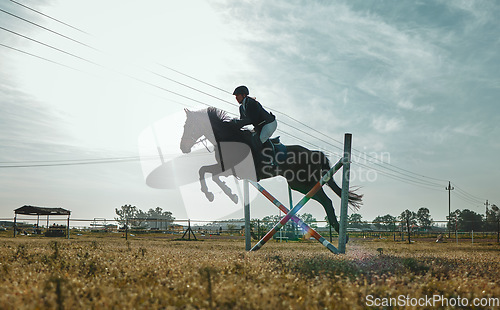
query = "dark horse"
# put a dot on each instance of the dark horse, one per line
(302, 168)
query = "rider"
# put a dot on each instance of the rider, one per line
(252, 112)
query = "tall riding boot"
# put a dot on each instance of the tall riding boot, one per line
(257, 152)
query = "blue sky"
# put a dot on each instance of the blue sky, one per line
(416, 83)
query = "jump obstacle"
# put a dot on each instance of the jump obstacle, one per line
(345, 163)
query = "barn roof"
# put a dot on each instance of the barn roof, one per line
(32, 210)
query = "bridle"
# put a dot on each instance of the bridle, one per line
(202, 140)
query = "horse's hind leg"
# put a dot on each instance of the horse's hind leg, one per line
(226, 189)
(320, 197)
(327, 204)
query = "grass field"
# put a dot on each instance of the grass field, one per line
(112, 273)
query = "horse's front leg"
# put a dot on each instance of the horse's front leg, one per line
(204, 189)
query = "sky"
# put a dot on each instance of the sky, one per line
(416, 83)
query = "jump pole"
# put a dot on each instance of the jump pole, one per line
(246, 201)
(299, 205)
(294, 218)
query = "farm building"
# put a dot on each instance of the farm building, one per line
(52, 231)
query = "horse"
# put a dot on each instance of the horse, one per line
(302, 168)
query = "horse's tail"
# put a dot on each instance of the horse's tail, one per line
(355, 200)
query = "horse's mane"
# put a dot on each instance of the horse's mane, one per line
(217, 115)
(223, 127)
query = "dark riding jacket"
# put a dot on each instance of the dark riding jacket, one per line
(252, 112)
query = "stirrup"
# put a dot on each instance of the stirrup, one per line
(275, 140)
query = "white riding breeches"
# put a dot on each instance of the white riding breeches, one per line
(268, 130)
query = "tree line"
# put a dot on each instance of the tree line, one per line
(461, 220)
(133, 217)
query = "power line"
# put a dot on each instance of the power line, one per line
(410, 181)
(193, 78)
(54, 19)
(470, 196)
(292, 118)
(69, 163)
(203, 103)
(102, 66)
(420, 179)
(39, 57)
(467, 200)
(403, 179)
(47, 29)
(48, 45)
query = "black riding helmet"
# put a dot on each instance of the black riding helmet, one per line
(241, 90)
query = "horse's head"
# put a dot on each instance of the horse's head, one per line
(210, 122)
(192, 131)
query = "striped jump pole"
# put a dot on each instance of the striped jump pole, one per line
(294, 218)
(299, 206)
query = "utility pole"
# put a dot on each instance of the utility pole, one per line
(449, 189)
(486, 204)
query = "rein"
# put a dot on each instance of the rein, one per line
(204, 142)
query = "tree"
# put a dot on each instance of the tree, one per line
(424, 218)
(408, 218)
(159, 218)
(465, 220)
(355, 220)
(470, 220)
(309, 220)
(130, 214)
(125, 213)
(453, 220)
(491, 220)
(386, 222)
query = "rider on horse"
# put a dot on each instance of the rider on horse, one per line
(252, 112)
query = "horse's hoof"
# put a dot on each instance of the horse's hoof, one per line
(210, 196)
(234, 198)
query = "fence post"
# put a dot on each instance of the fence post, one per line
(126, 229)
(345, 191)
(258, 228)
(408, 227)
(246, 201)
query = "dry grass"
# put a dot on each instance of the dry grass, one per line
(150, 274)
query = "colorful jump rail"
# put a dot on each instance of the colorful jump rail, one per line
(298, 221)
(343, 162)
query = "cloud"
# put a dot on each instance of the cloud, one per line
(27, 128)
(408, 105)
(479, 13)
(469, 129)
(385, 124)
